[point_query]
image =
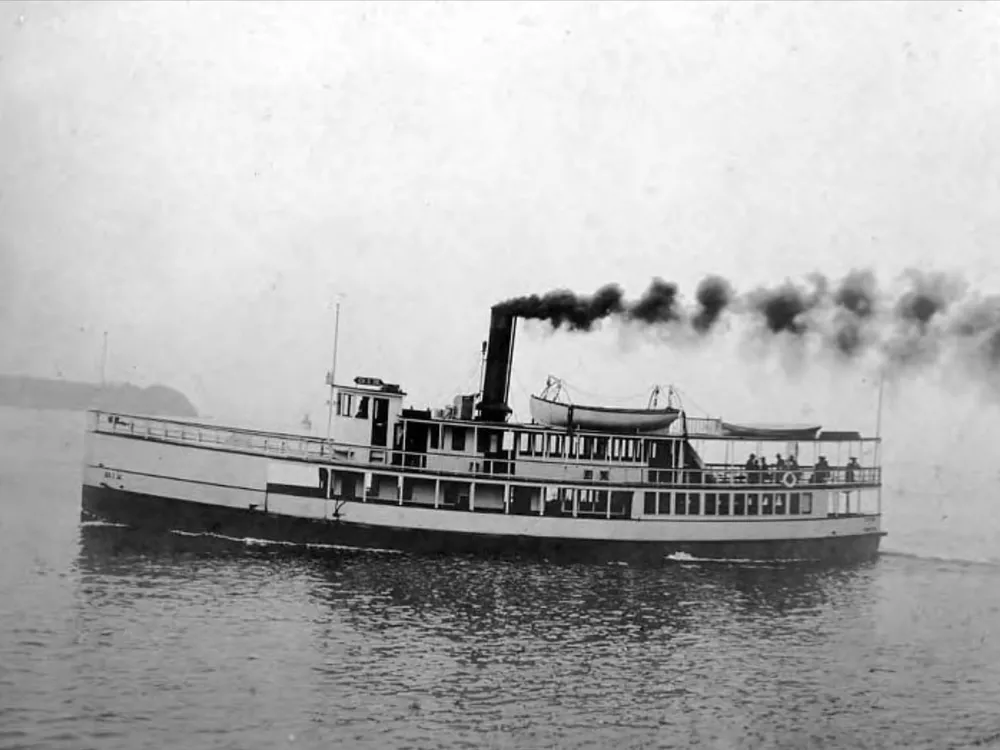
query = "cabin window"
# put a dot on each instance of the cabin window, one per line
(664, 503)
(584, 502)
(524, 448)
(458, 438)
(621, 503)
(556, 446)
(724, 504)
(324, 481)
(539, 448)
(605, 475)
(753, 504)
(649, 503)
(434, 434)
(586, 447)
(793, 504)
(739, 504)
(694, 503)
(710, 503)
(600, 448)
(362, 412)
(575, 450)
(566, 499)
(779, 504)
(767, 504)
(508, 440)
(344, 403)
(807, 503)
(588, 473)
(680, 504)
(375, 488)
(494, 443)
(601, 502)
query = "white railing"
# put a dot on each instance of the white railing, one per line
(304, 447)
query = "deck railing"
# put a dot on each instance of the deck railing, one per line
(304, 447)
(449, 463)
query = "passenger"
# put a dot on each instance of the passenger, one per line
(765, 475)
(852, 467)
(779, 464)
(751, 467)
(821, 472)
(793, 466)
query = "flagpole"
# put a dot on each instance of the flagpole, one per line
(878, 416)
(333, 373)
(104, 359)
(878, 438)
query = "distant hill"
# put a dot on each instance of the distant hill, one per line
(44, 393)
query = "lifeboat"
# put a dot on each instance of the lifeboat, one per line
(771, 431)
(601, 418)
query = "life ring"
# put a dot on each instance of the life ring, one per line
(789, 479)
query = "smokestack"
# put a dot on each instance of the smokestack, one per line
(499, 355)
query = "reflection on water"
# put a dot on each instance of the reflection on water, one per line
(192, 641)
(119, 641)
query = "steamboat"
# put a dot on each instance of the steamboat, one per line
(577, 482)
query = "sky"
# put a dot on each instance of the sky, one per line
(205, 180)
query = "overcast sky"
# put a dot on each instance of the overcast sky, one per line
(202, 179)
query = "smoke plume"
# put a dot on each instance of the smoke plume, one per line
(927, 315)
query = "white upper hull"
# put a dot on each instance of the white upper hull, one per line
(212, 476)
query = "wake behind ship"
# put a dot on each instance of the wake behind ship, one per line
(578, 482)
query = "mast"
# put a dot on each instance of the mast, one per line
(104, 359)
(878, 438)
(331, 378)
(878, 415)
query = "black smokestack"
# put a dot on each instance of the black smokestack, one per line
(499, 353)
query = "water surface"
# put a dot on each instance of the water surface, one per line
(111, 640)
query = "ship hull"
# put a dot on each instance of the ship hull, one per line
(158, 514)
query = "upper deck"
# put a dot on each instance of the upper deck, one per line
(417, 443)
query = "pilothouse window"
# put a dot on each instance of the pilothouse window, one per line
(362, 412)
(344, 403)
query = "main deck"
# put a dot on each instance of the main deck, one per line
(528, 469)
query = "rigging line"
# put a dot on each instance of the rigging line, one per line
(696, 405)
(604, 396)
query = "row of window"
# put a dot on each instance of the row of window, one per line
(594, 501)
(726, 504)
(580, 446)
(534, 444)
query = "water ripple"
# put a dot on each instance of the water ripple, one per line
(190, 641)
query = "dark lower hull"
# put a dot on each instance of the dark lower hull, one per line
(156, 514)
